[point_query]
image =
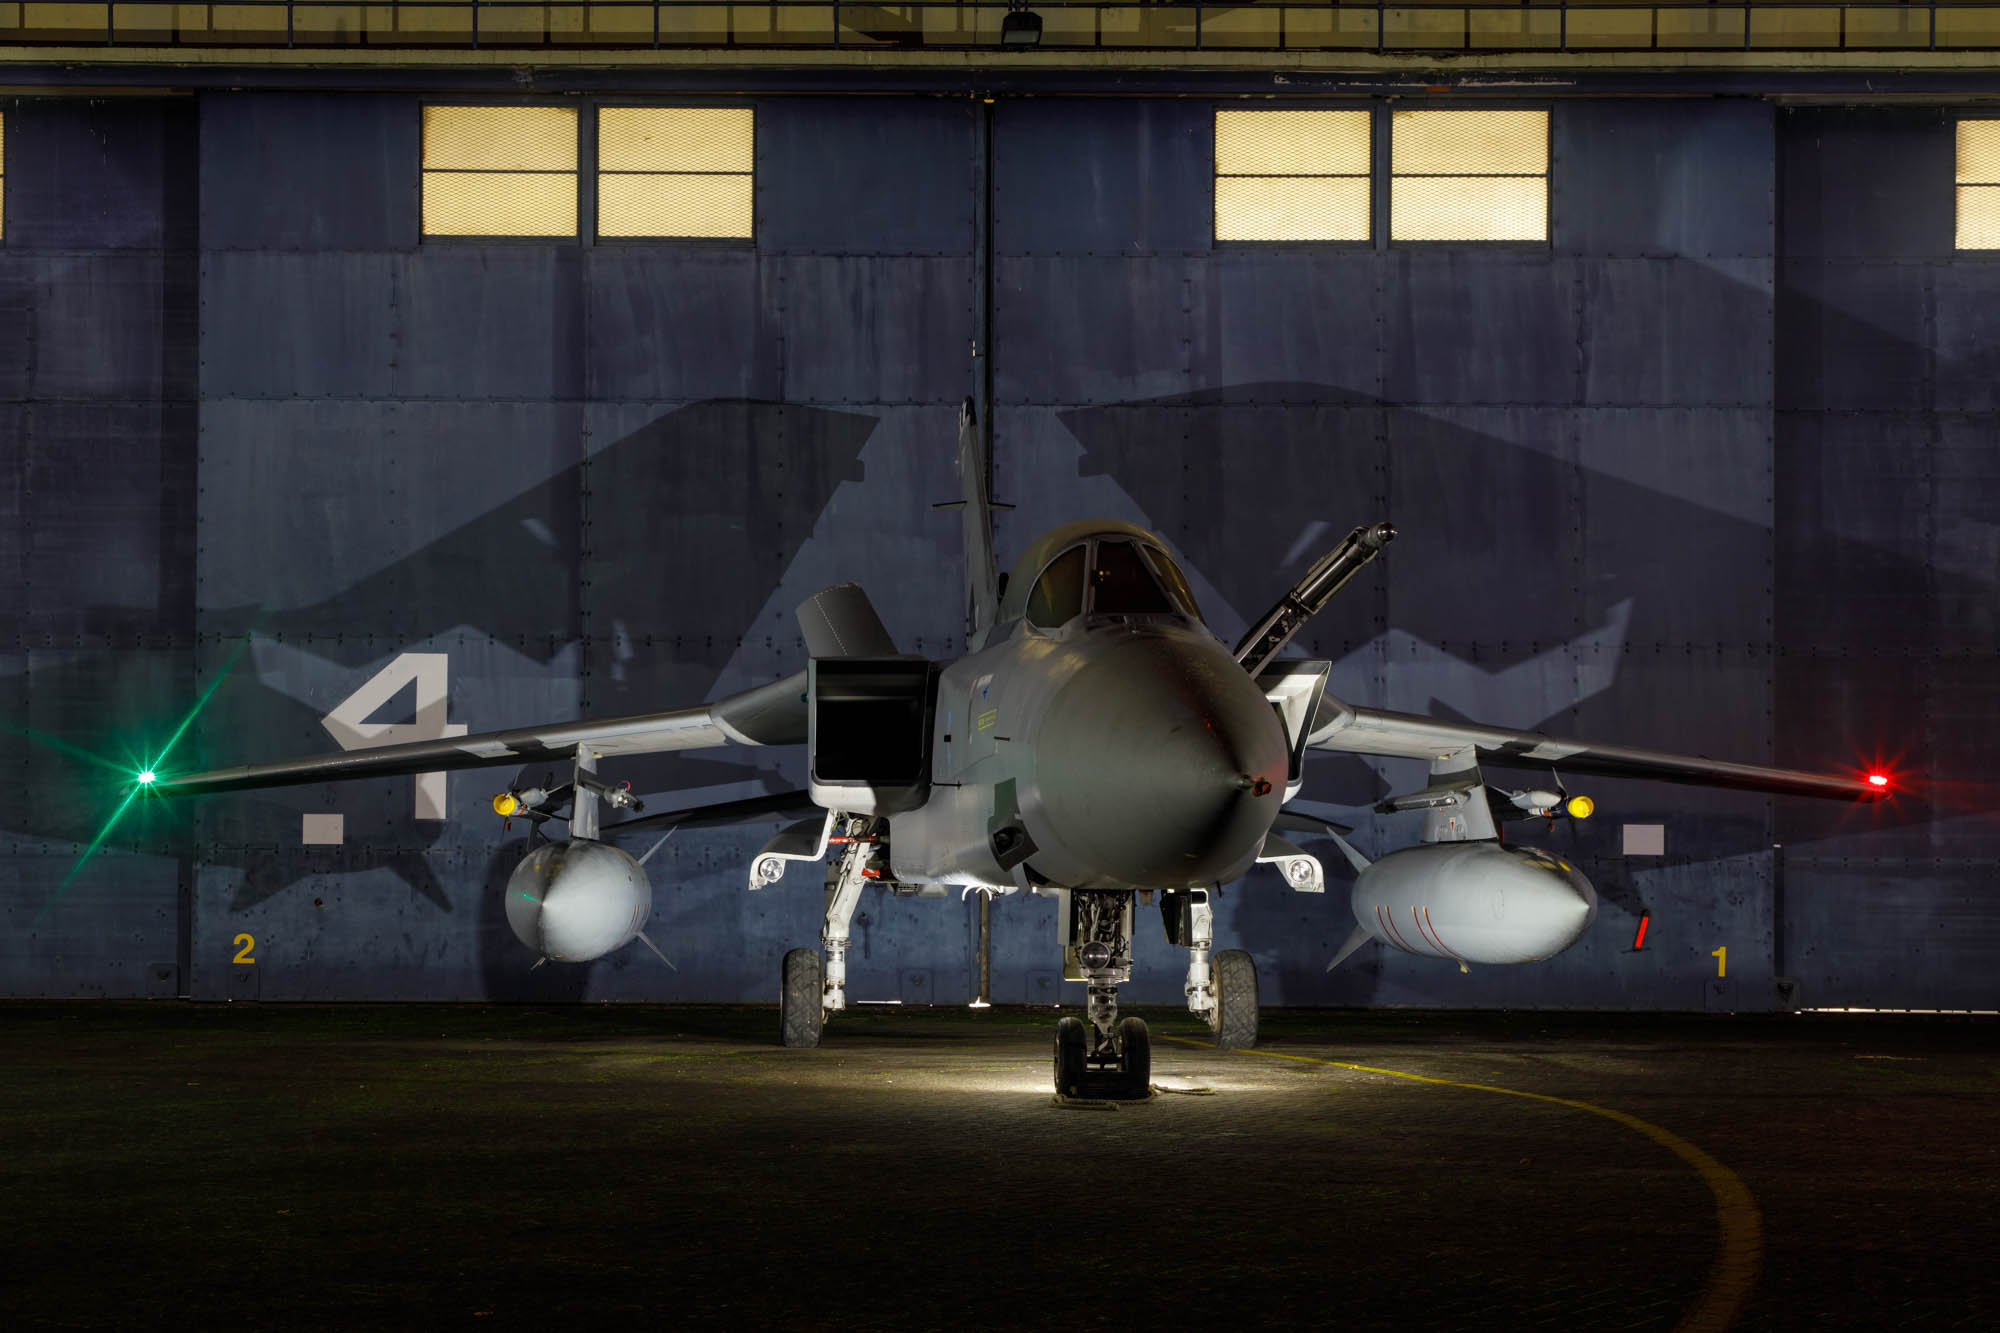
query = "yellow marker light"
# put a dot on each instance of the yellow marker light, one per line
(504, 804)
(1580, 807)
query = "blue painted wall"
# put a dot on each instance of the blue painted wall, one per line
(1713, 471)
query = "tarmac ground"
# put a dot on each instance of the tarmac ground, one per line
(406, 1166)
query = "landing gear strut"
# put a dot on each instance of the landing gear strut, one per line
(1105, 1057)
(814, 991)
(1221, 988)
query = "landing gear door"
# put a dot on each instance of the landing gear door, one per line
(1294, 689)
(869, 732)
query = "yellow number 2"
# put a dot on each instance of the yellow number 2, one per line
(244, 944)
(1721, 957)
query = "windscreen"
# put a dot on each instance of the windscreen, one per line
(1057, 597)
(1177, 584)
(1123, 584)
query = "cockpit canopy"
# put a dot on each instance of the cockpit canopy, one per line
(1114, 572)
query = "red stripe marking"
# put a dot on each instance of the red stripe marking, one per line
(1640, 943)
(1420, 927)
(1434, 934)
(1389, 924)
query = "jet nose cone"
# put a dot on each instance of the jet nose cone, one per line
(1158, 763)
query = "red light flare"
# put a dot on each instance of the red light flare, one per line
(1884, 777)
(1888, 783)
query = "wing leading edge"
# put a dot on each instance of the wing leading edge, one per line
(773, 714)
(1341, 726)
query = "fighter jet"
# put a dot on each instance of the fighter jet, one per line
(1097, 742)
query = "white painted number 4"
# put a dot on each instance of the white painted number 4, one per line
(350, 726)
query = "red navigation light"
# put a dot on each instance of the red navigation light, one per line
(1878, 779)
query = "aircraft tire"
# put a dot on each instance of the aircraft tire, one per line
(1135, 1056)
(1069, 1057)
(800, 1016)
(1234, 1017)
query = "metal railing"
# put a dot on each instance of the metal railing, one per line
(1570, 26)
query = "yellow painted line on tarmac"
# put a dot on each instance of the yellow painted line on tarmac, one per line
(1740, 1250)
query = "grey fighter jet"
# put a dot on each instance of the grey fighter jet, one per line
(1096, 742)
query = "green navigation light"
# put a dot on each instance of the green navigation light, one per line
(147, 781)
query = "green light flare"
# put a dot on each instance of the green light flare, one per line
(199, 704)
(88, 852)
(60, 746)
(147, 780)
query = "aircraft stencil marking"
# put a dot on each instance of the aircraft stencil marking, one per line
(349, 725)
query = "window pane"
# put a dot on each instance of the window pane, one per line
(1469, 208)
(500, 138)
(1291, 143)
(499, 203)
(703, 206)
(675, 138)
(1177, 584)
(1469, 142)
(1979, 217)
(1979, 152)
(1291, 208)
(1125, 586)
(1058, 594)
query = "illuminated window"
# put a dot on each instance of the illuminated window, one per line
(671, 171)
(1292, 175)
(1469, 176)
(500, 171)
(1979, 184)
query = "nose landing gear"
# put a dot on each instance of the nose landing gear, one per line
(1120, 1070)
(1106, 1057)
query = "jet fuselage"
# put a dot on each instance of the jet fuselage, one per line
(1110, 752)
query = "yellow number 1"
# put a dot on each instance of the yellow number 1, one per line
(244, 944)
(1721, 957)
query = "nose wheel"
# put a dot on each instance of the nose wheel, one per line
(1121, 1070)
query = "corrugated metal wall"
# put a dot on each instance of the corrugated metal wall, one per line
(1711, 472)
(98, 421)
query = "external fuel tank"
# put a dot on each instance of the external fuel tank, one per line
(1475, 902)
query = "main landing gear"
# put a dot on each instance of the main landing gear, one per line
(1224, 993)
(813, 992)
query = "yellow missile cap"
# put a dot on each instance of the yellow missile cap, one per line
(504, 804)
(1580, 807)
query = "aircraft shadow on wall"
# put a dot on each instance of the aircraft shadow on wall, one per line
(662, 547)
(1511, 553)
(695, 518)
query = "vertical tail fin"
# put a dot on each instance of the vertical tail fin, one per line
(982, 595)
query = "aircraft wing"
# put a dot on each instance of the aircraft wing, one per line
(773, 714)
(1342, 726)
